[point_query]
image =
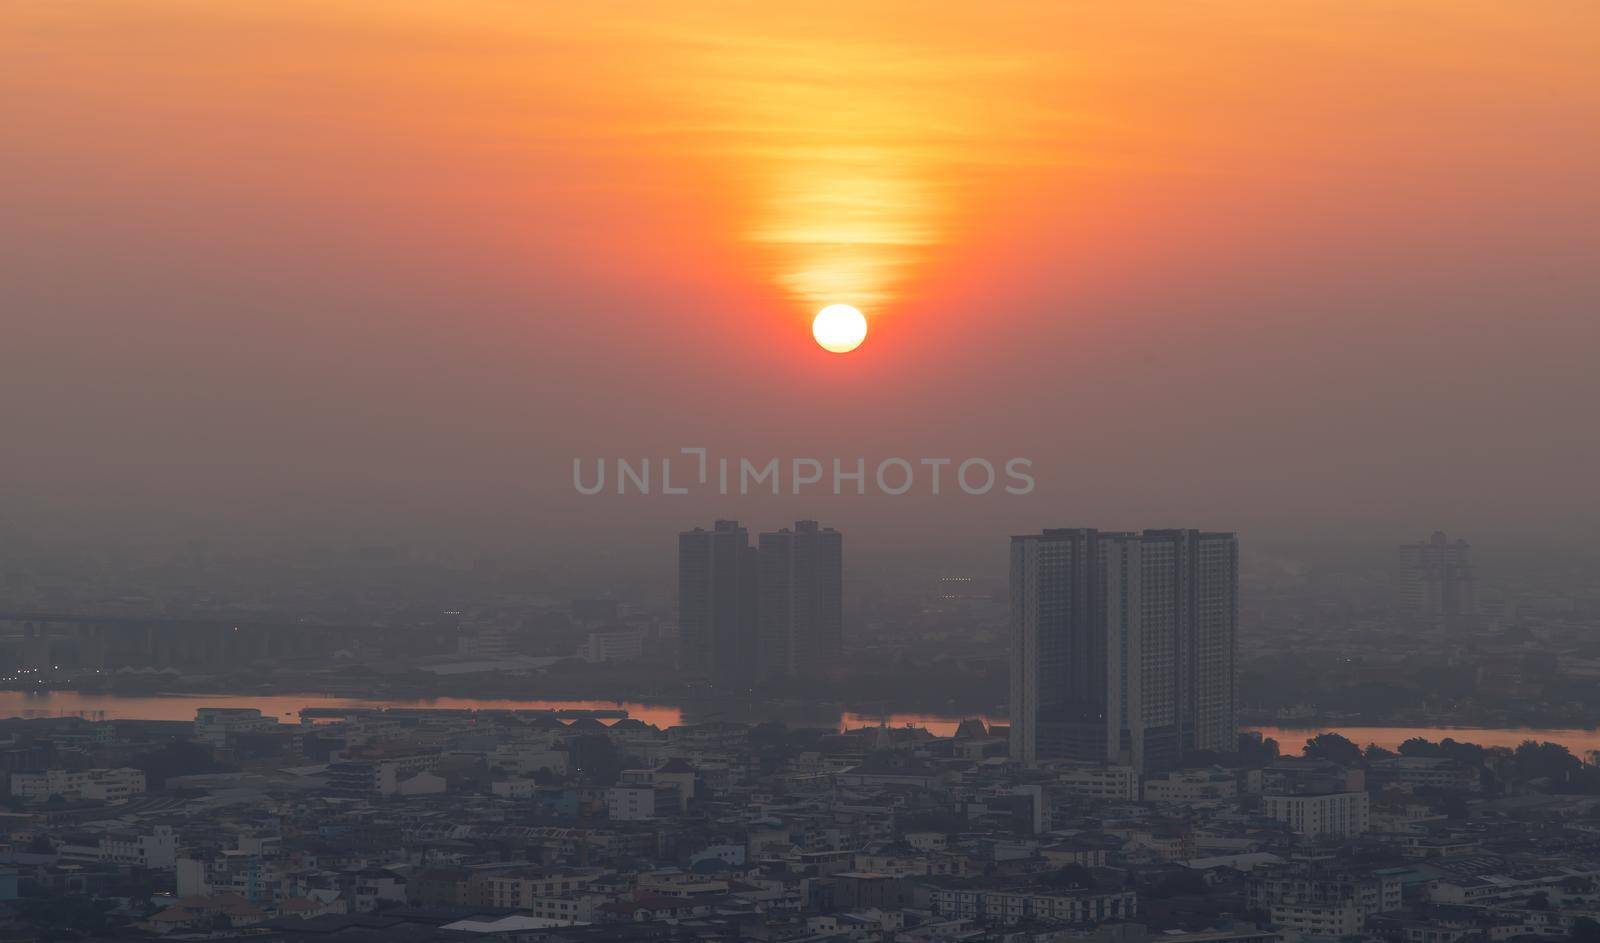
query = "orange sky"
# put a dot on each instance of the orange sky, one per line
(1263, 254)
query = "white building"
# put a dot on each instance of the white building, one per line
(618, 643)
(1191, 785)
(380, 777)
(1098, 781)
(527, 758)
(1306, 901)
(102, 785)
(213, 725)
(514, 788)
(156, 848)
(421, 784)
(1340, 814)
(1005, 905)
(631, 803)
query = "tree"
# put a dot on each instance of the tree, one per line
(1334, 748)
(1071, 875)
(1550, 761)
(1468, 753)
(595, 758)
(178, 758)
(1375, 752)
(930, 820)
(1417, 746)
(1184, 883)
(68, 917)
(769, 734)
(1585, 930)
(1256, 749)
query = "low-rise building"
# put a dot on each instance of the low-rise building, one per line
(102, 785)
(1097, 781)
(1072, 906)
(156, 848)
(1323, 901)
(1191, 785)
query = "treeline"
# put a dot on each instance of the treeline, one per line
(1550, 764)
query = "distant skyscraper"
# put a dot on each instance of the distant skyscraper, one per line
(717, 604)
(1122, 645)
(801, 609)
(1437, 582)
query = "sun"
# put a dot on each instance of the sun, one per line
(839, 328)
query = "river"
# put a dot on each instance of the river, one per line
(287, 707)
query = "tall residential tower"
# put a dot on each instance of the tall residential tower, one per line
(717, 604)
(747, 613)
(1123, 645)
(1437, 583)
(801, 609)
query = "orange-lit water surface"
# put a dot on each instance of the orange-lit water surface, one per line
(287, 708)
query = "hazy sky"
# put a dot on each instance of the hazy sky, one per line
(393, 265)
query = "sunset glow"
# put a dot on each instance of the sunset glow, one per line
(316, 203)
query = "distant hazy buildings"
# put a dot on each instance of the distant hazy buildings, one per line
(614, 643)
(747, 612)
(1437, 583)
(1123, 645)
(958, 588)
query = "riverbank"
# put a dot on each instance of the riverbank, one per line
(181, 706)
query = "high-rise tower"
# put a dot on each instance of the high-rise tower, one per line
(1437, 583)
(1123, 645)
(801, 608)
(717, 604)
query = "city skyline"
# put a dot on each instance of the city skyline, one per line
(656, 471)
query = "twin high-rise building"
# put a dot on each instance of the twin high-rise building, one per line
(751, 612)
(717, 603)
(800, 613)
(1122, 645)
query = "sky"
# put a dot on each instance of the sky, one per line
(387, 269)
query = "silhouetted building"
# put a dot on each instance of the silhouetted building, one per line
(1123, 645)
(801, 610)
(1437, 583)
(717, 603)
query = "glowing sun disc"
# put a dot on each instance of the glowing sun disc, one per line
(839, 328)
